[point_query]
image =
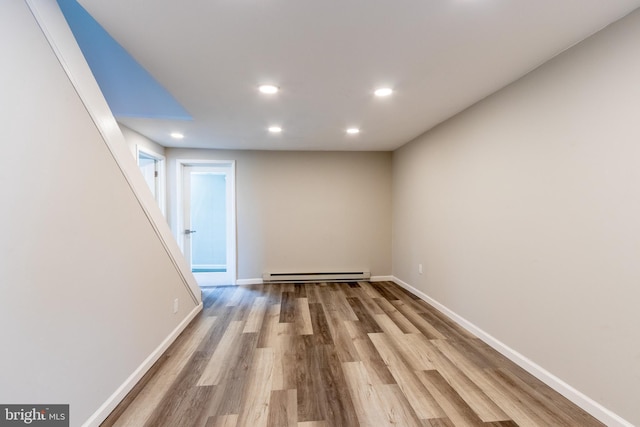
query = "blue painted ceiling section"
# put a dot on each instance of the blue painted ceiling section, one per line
(128, 88)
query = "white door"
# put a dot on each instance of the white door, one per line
(152, 167)
(208, 229)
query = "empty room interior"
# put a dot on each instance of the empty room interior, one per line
(318, 214)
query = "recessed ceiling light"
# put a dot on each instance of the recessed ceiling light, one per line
(383, 91)
(275, 129)
(177, 135)
(353, 131)
(269, 89)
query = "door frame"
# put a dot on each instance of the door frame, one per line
(230, 166)
(161, 179)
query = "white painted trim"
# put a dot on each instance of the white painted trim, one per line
(148, 152)
(161, 196)
(603, 414)
(110, 404)
(245, 282)
(232, 255)
(381, 279)
(209, 266)
(59, 36)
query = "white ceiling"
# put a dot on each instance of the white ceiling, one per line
(327, 56)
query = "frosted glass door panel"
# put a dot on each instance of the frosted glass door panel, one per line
(208, 218)
(207, 225)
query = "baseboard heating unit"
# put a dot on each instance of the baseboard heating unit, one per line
(334, 276)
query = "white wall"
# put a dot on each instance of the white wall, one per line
(134, 140)
(306, 210)
(86, 284)
(525, 211)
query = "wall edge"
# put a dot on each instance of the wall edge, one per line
(594, 408)
(121, 392)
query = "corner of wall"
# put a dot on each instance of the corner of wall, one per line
(603, 414)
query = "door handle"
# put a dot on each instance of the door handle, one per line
(187, 232)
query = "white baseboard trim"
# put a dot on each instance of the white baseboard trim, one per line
(381, 279)
(603, 414)
(107, 407)
(245, 282)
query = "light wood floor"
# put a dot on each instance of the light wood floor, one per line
(324, 355)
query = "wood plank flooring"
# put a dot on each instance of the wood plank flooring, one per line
(335, 354)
